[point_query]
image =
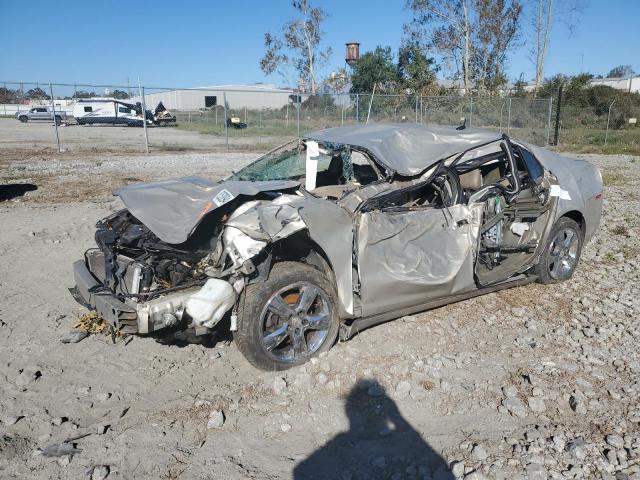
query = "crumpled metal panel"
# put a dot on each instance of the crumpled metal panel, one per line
(581, 179)
(406, 258)
(407, 149)
(172, 209)
(328, 225)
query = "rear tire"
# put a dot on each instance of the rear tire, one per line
(306, 324)
(23, 119)
(562, 252)
(58, 120)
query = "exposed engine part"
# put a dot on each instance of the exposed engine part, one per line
(210, 303)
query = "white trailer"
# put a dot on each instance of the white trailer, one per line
(108, 111)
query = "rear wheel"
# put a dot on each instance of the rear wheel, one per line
(287, 319)
(58, 120)
(23, 118)
(562, 253)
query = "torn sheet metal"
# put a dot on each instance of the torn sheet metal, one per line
(582, 182)
(406, 258)
(257, 223)
(172, 209)
(407, 149)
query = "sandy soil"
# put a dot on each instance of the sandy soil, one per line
(534, 382)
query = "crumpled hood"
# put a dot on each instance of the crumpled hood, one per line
(172, 209)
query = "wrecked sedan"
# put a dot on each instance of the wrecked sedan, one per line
(343, 229)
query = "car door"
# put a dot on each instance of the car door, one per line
(409, 255)
(512, 232)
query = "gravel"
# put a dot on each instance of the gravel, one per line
(532, 382)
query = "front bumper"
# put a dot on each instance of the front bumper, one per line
(121, 316)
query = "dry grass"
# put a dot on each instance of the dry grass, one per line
(94, 324)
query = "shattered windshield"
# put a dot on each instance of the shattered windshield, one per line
(285, 163)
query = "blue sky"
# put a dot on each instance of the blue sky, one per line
(217, 42)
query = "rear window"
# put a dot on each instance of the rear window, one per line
(124, 110)
(535, 169)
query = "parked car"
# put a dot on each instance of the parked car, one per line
(336, 232)
(41, 114)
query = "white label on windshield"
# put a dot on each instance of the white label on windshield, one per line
(224, 196)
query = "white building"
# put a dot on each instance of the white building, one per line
(631, 84)
(258, 96)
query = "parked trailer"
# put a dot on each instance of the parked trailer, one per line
(109, 111)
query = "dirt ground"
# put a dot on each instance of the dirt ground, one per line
(535, 382)
(40, 137)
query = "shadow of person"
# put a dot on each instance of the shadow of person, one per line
(380, 443)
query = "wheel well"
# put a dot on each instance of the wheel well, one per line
(576, 216)
(299, 247)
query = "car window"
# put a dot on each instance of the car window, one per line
(88, 109)
(536, 172)
(41, 110)
(284, 163)
(124, 110)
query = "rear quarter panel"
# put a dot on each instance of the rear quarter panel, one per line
(582, 180)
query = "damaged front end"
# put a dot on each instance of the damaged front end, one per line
(140, 284)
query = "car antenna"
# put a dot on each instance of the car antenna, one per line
(464, 124)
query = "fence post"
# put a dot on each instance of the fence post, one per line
(421, 111)
(509, 118)
(226, 128)
(298, 103)
(416, 109)
(144, 117)
(357, 108)
(556, 138)
(470, 109)
(606, 135)
(53, 108)
(549, 119)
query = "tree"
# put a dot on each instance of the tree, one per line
(298, 47)
(473, 36)
(416, 72)
(494, 34)
(373, 68)
(7, 95)
(544, 17)
(444, 26)
(519, 87)
(84, 94)
(120, 94)
(621, 71)
(37, 94)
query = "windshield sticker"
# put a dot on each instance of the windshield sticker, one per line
(224, 196)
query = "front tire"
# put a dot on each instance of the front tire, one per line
(23, 119)
(562, 252)
(287, 319)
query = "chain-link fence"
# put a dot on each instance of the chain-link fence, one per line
(107, 117)
(610, 124)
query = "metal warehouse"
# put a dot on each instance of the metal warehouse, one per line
(237, 96)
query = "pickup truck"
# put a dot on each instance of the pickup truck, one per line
(40, 113)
